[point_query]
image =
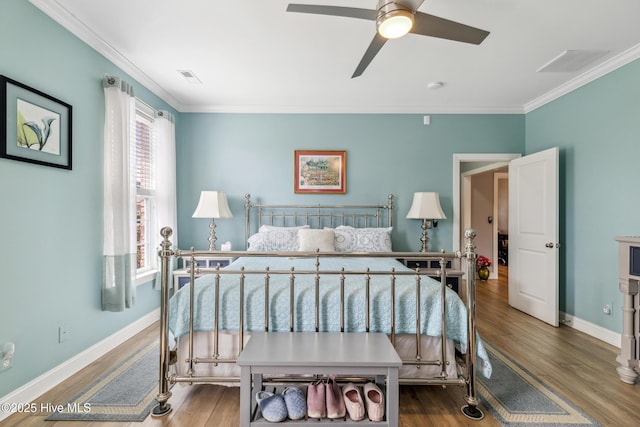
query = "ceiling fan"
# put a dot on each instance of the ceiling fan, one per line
(394, 19)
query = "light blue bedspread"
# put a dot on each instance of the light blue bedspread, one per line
(304, 297)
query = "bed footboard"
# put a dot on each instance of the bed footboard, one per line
(467, 378)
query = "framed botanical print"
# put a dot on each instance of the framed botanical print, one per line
(35, 127)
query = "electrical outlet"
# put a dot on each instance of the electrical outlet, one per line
(63, 334)
(7, 351)
(607, 309)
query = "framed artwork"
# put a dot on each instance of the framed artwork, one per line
(318, 171)
(35, 127)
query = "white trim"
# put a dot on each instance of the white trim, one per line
(496, 208)
(352, 109)
(146, 277)
(486, 168)
(591, 329)
(36, 387)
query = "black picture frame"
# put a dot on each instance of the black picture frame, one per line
(35, 127)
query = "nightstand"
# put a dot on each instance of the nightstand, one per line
(182, 276)
(424, 263)
(431, 267)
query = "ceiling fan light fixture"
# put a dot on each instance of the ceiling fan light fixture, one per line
(395, 22)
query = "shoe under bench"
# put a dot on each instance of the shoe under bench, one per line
(353, 355)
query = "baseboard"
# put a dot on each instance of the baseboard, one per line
(38, 386)
(591, 329)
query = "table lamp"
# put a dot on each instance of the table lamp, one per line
(426, 206)
(212, 204)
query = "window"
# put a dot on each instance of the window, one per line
(145, 189)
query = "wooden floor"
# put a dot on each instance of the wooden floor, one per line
(578, 366)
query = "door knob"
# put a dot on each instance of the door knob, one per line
(549, 245)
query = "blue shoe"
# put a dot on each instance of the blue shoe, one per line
(296, 402)
(272, 406)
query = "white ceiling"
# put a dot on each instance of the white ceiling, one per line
(253, 56)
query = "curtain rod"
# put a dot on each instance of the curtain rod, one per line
(112, 80)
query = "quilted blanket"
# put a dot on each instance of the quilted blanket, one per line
(329, 300)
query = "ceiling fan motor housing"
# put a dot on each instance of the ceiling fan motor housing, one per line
(390, 11)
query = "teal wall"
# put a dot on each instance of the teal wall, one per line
(51, 219)
(392, 153)
(597, 129)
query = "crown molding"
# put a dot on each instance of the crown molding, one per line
(354, 109)
(606, 67)
(54, 10)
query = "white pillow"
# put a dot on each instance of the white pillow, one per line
(351, 239)
(312, 240)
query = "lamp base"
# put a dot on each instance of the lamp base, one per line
(426, 224)
(212, 236)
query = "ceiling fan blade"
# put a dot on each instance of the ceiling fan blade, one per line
(434, 26)
(373, 49)
(348, 12)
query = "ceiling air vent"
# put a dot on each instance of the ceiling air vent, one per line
(571, 61)
(189, 76)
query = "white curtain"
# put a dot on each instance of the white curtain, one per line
(165, 143)
(119, 264)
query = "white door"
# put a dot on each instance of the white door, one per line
(533, 235)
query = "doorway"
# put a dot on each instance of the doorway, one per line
(533, 225)
(467, 169)
(464, 167)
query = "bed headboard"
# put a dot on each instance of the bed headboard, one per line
(316, 215)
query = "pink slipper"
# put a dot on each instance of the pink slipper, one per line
(374, 400)
(315, 400)
(353, 402)
(335, 403)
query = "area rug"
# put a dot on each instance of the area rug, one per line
(516, 398)
(125, 393)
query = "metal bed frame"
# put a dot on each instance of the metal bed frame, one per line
(319, 216)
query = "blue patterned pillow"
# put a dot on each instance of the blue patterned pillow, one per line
(351, 239)
(275, 239)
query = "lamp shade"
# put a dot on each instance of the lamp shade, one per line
(212, 204)
(426, 206)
